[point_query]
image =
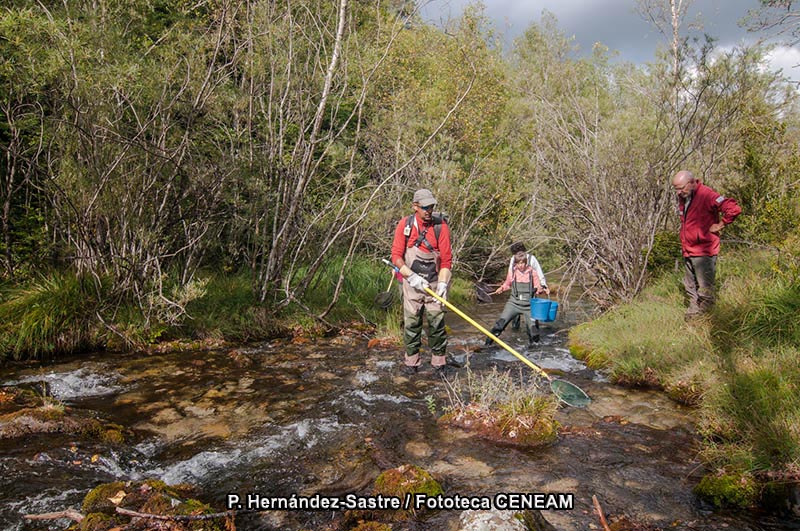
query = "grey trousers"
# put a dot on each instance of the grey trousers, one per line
(698, 280)
(512, 310)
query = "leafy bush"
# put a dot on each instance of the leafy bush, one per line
(665, 252)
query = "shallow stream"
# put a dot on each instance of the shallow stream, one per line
(326, 416)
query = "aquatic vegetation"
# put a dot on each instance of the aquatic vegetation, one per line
(501, 408)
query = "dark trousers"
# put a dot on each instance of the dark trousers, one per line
(698, 280)
(513, 310)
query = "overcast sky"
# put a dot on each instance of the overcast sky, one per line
(616, 24)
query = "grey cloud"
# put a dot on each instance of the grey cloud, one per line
(615, 23)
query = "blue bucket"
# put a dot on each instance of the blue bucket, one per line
(540, 309)
(553, 311)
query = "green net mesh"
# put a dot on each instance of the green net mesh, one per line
(569, 393)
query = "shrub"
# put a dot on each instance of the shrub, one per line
(50, 315)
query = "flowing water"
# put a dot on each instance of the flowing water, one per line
(327, 416)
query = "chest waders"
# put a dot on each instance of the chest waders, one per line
(518, 305)
(416, 303)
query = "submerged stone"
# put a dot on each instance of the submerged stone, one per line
(491, 520)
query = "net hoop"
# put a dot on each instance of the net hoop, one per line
(569, 393)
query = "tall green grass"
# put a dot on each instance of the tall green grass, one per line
(49, 315)
(739, 365)
(228, 310)
(647, 343)
(362, 280)
(63, 313)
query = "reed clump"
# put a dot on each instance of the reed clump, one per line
(501, 407)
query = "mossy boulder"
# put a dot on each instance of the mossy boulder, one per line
(108, 433)
(406, 479)
(23, 412)
(98, 522)
(148, 497)
(532, 428)
(396, 482)
(99, 499)
(729, 489)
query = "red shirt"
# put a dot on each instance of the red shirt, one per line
(442, 246)
(705, 207)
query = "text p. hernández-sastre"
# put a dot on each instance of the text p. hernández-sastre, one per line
(514, 501)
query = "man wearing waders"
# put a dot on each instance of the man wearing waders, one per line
(524, 284)
(421, 250)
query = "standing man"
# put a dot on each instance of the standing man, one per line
(421, 250)
(700, 208)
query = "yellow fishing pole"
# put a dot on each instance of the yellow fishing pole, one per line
(568, 392)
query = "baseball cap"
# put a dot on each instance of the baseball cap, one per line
(424, 197)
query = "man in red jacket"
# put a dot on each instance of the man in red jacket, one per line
(421, 250)
(700, 209)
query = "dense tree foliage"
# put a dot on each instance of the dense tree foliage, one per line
(145, 140)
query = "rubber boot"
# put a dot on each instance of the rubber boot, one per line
(533, 334)
(496, 330)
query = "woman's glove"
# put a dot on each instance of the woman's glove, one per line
(441, 290)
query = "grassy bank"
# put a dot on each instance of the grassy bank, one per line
(62, 313)
(739, 366)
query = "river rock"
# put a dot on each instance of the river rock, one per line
(465, 466)
(497, 520)
(419, 449)
(492, 520)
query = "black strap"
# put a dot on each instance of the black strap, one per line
(515, 290)
(421, 239)
(437, 228)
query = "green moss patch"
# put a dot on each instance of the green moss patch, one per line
(397, 482)
(729, 490)
(407, 479)
(147, 497)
